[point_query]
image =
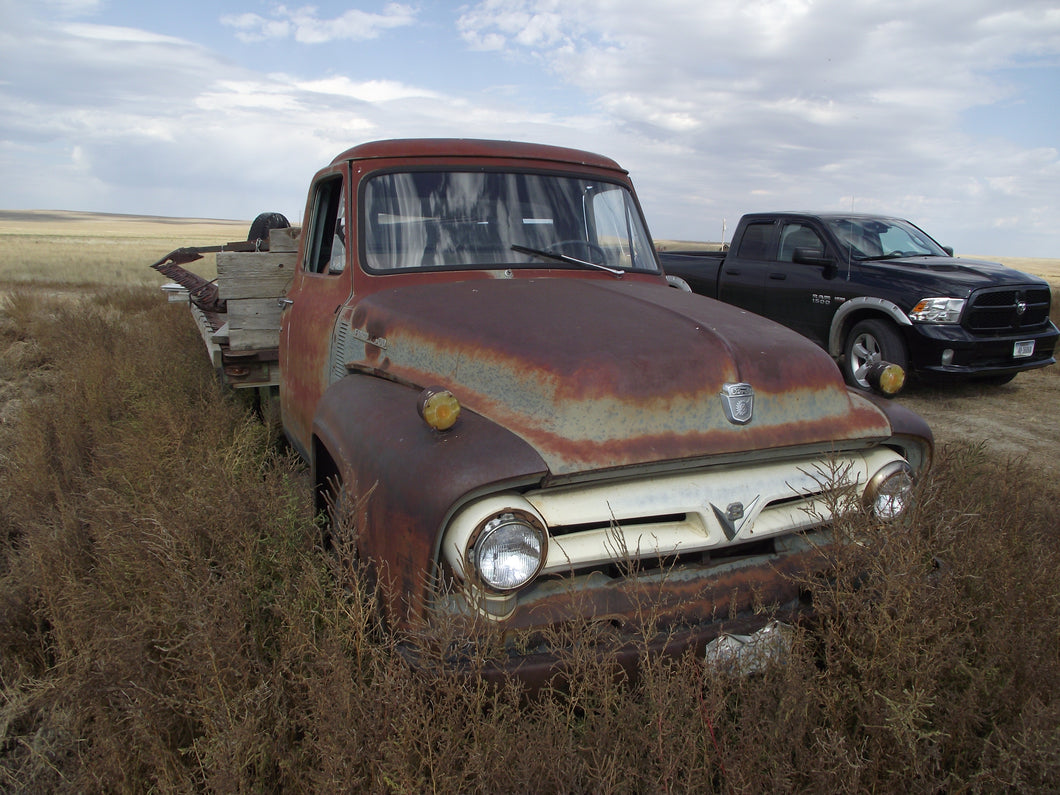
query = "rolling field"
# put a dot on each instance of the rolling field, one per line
(96, 248)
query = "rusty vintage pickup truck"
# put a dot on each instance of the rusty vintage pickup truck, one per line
(476, 337)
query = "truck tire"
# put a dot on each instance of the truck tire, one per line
(260, 226)
(868, 342)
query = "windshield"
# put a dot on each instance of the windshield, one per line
(464, 219)
(882, 238)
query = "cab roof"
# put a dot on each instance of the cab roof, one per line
(474, 148)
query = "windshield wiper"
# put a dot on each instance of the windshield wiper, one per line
(536, 252)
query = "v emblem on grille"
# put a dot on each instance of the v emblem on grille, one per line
(734, 517)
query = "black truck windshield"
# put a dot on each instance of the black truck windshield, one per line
(495, 219)
(882, 238)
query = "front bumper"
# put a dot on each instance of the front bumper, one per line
(670, 610)
(952, 350)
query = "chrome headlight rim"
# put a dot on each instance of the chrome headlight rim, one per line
(889, 493)
(490, 531)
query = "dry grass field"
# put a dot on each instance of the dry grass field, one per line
(96, 248)
(169, 621)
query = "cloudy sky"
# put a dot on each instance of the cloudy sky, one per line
(943, 112)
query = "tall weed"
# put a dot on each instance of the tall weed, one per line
(170, 622)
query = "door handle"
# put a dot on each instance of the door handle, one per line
(283, 303)
(778, 277)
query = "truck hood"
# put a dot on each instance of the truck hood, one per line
(970, 274)
(603, 373)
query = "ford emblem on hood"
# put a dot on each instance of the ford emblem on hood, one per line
(738, 400)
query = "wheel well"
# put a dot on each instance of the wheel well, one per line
(325, 476)
(838, 337)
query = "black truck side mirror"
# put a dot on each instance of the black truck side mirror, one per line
(817, 258)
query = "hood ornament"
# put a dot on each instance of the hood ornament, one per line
(738, 401)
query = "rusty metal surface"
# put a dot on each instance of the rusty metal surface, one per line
(598, 373)
(439, 150)
(683, 595)
(684, 609)
(416, 475)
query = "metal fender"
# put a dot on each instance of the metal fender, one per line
(878, 305)
(371, 430)
(910, 433)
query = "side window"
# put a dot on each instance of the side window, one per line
(797, 235)
(326, 243)
(618, 231)
(756, 240)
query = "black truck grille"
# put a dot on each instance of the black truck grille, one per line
(1007, 309)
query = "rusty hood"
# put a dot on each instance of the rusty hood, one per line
(603, 373)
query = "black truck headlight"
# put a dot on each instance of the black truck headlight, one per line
(508, 551)
(938, 310)
(890, 491)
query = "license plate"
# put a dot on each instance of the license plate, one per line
(1023, 348)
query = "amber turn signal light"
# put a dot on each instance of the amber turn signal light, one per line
(886, 378)
(438, 408)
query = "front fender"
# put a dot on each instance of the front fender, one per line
(371, 430)
(910, 432)
(878, 306)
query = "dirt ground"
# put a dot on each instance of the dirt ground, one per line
(1018, 420)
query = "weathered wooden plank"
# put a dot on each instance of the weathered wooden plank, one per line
(253, 324)
(254, 274)
(254, 340)
(284, 239)
(256, 313)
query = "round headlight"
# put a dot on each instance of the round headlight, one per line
(509, 551)
(890, 491)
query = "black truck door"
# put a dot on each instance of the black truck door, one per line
(800, 284)
(743, 272)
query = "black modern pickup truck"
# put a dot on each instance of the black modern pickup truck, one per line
(870, 288)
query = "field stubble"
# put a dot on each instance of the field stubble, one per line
(169, 622)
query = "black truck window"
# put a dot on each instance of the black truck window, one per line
(798, 235)
(756, 240)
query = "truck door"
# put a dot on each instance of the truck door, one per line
(800, 286)
(743, 272)
(321, 286)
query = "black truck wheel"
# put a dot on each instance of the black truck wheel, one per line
(871, 341)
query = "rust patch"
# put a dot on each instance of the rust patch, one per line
(597, 373)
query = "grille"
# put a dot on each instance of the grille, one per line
(1008, 309)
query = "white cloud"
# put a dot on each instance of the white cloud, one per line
(366, 91)
(72, 8)
(793, 103)
(717, 107)
(306, 27)
(118, 35)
